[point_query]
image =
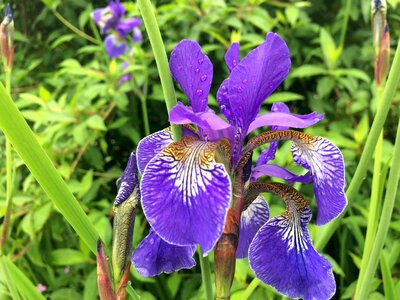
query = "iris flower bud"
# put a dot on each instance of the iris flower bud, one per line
(381, 39)
(7, 38)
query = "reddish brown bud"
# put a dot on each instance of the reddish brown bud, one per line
(7, 38)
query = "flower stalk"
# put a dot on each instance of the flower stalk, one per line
(7, 53)
(157, 44)
(384, 223)
(326, 233)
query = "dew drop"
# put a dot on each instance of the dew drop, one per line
(203, 78)
(244, 81)
(151, 241)
(239, 89)
(224, 88)
(200, 61)
(197, 70)
(199, 92)
(234, 62)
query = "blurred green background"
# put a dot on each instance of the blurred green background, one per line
(67, 89)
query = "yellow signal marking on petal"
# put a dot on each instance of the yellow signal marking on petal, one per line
(286, 192)
(192, 161)
(297, 208)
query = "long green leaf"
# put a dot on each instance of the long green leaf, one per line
(24, 141)
(17, 282)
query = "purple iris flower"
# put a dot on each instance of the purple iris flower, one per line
(187, 185)
(110, 22)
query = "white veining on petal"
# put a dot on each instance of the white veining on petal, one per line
(322, 157)
(291, 228)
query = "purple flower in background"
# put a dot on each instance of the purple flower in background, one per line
(125, 77)
(187, 187)
(110, 22)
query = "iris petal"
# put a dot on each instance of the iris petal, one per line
(285, 120)
(212, 126)
(282, 255)
(253, 80)
(280, 172)
(128, 181)
(115, 45)
(154, 256)
(125, 26)
(193, 71)
(255, 216)
(325, 161)
(186, 193)
(151, 145)
(232, 56)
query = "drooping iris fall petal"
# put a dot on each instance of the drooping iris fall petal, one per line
(325, 161)
(251, 220)
(151, 145)
(186, 193)
(282, 255)
(115, 45)
(128, 180)
(154, 256)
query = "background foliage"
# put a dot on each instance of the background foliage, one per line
(68, 90)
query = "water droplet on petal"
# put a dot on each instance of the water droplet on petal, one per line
(239, 89)
(151, 241)
(244, 81)
(203, 78)
(199, 92)
(200, 61)
(234, 62)
(180, 67)
(224, 88)
(197, 70)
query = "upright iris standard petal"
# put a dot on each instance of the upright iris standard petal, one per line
(253, 80)
(325, 161)
(115, 45)
(282, 255)
(128, 181)
(193, 71)
(154, 256)
(285, 120)
(255, 216)
(186, 193)
(151, 145)
(232, 56)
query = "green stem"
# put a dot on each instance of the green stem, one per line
(345, 23)
(150, 22)
(384, 223)
(145, 116)
(373, 211)
(74, 29)
(250, 289)
(205, 274)
(377, 125)
(9, 176)
(26, 145)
